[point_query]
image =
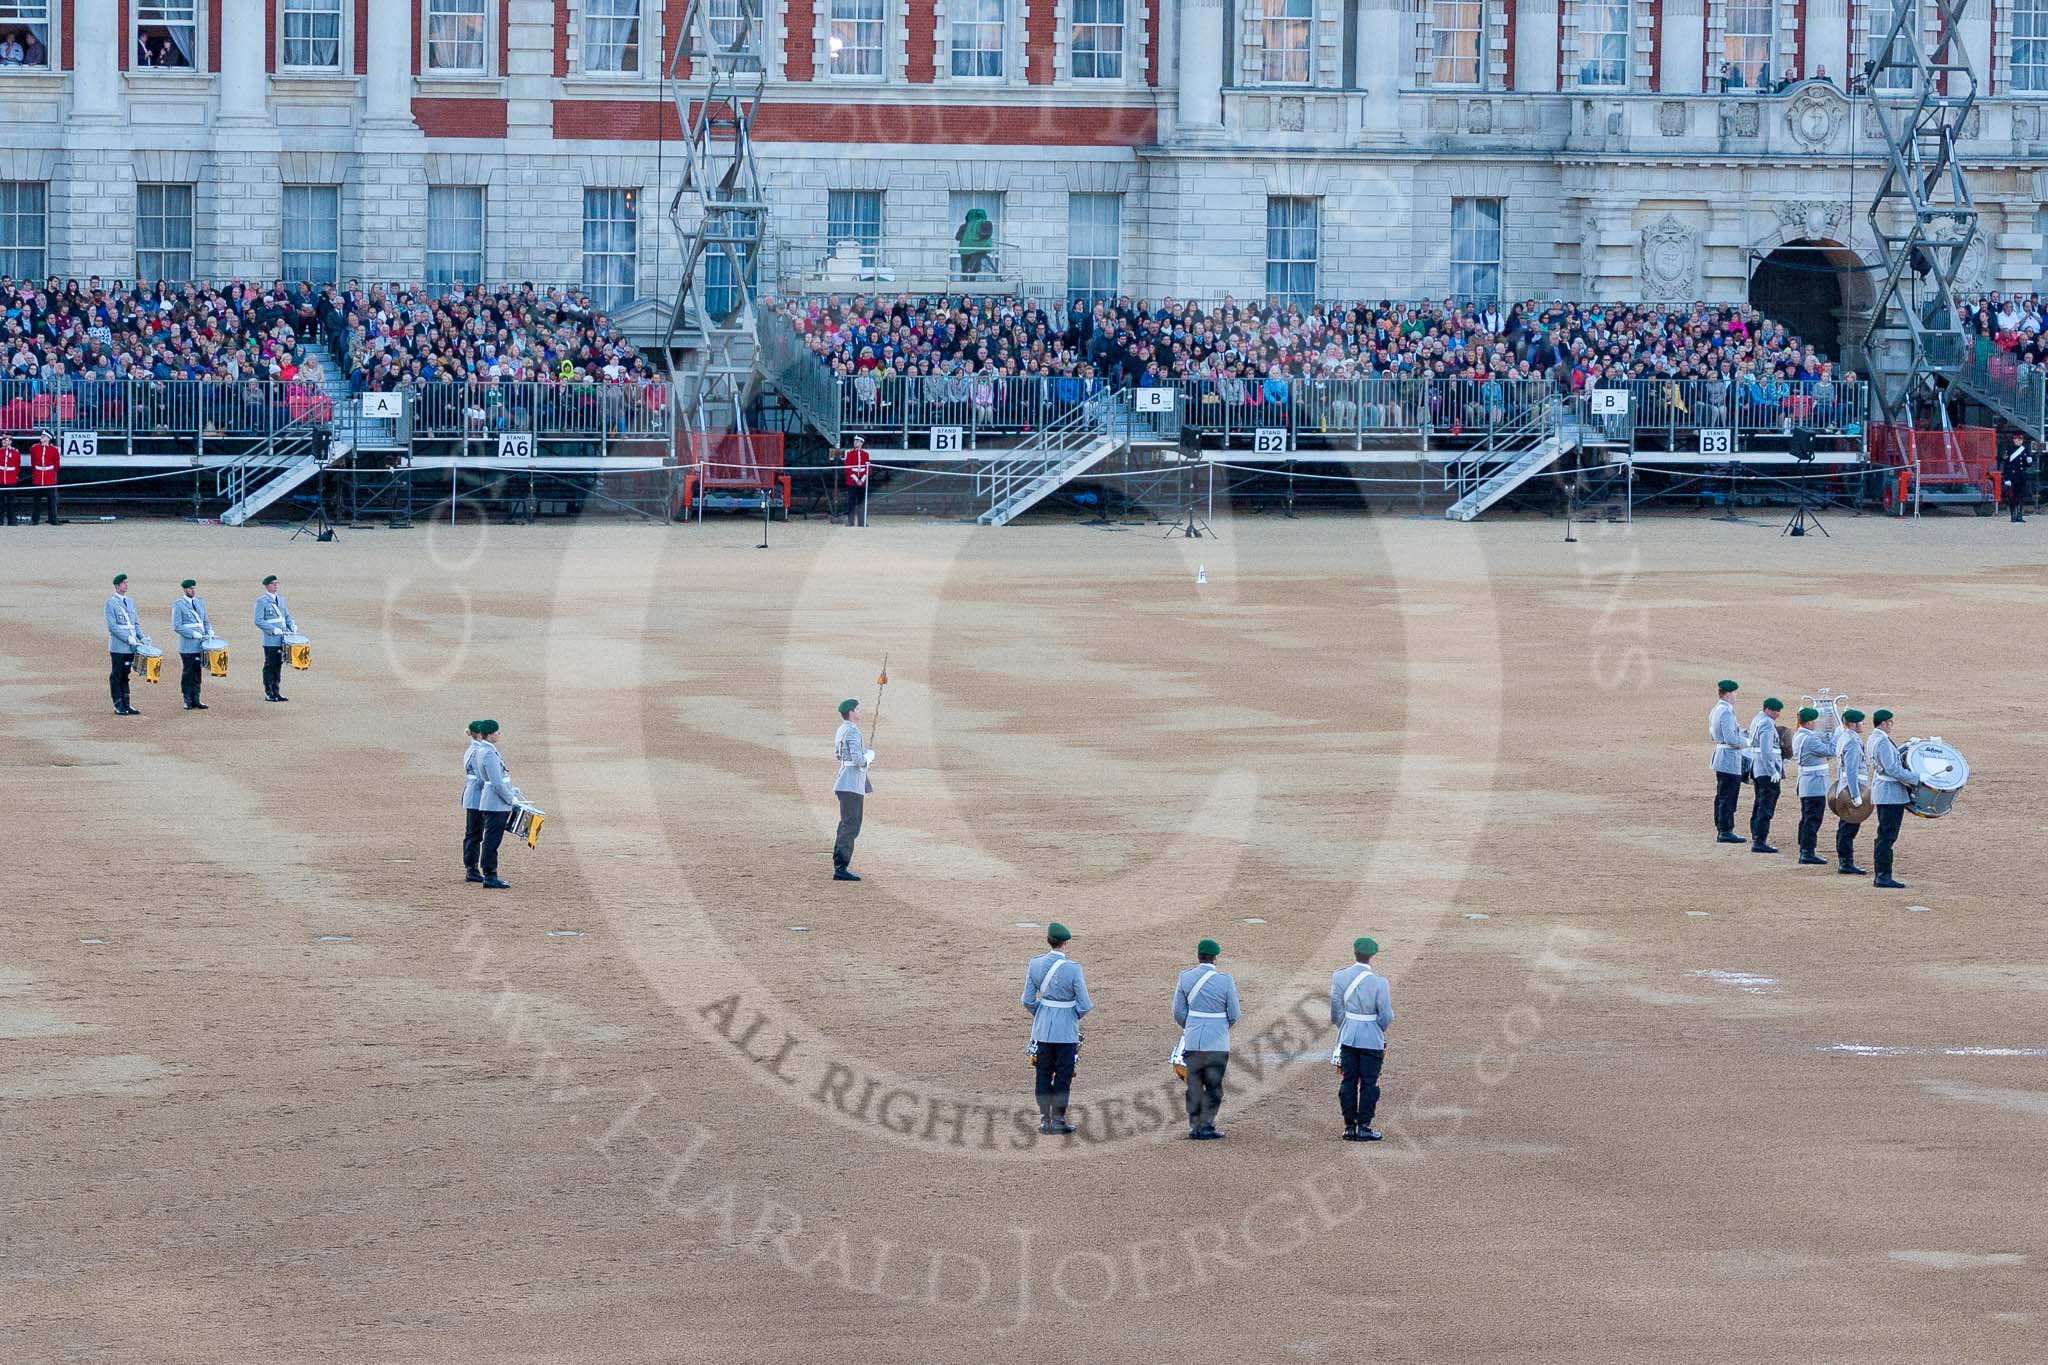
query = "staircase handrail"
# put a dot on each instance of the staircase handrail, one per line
(782, 358)
(1100, 414)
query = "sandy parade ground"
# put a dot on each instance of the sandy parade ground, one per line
(276, 1084)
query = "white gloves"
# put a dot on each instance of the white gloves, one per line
(869, 760)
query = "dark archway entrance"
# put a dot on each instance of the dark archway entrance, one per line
(1808, 285)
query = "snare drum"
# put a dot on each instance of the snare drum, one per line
(216, 651)
(299, 651)
(1942, 772)
(149, 662)
(525, 824)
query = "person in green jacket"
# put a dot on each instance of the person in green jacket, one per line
(977, 236)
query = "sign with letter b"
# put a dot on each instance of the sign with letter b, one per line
(1270, 440)
(1717, 441)
(948, 439)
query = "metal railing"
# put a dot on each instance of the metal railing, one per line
(855, 268)
(789, 365)
(1502, 447)
(2014, 388)
(1103, 413)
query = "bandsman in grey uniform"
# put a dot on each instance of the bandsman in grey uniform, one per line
(1849, 780)
(1205, 1006)
(1362, 1010)
(190, 624)
(1766, 773)
(1056, 997)
(1729, 743)
(1889, 794)
(274, 619)
(488, 797)
(852, 788)
(1810, 757)
(124, 637)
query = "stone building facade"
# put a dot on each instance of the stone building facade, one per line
(1639, 149)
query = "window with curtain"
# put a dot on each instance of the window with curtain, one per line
(855, 216)
(1604, 37)
(163, 232)
(855, 39)
(1284, 30)
(1475, 248)
(2030, 45)
(1878, 15)
(24, 229)
(1095, 231)
(611, 246)
(312, 34)
(611, 35)
(1099, 40)
(24, 33)
(722, 294)
(977, 37)
(1291, 233)
(458, 38)
(1746, 42)
(728, 27)
(455, 234)
(166, 35)
(312, 233)
(1457, 42)
(977, 232)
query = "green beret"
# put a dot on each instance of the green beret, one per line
(1773, 704)
(1728, 685)
(1208, 947)
(1807, 713)
(848, 705)
(1880, 716)
(268, 579)
(1852, 715)
(483, 727)
(1057, 932)
(189, 583)
(1365, 945)
(119, 579)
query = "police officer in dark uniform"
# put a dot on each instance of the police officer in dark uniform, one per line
(2019, 479)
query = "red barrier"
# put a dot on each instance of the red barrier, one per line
(1965, 455)
(732, 461)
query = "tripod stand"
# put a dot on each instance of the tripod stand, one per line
(1191, 525)
(317, 525)
(1802, 517)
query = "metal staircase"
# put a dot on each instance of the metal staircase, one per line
(1054, 456)
(1524, 448)
(284, 460)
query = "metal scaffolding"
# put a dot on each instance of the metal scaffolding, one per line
(719, 212)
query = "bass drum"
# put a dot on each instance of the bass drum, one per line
(1942, 772)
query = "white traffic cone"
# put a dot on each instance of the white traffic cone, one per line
(1201, 573)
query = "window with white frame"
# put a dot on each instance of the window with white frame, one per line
(1475, 248)
(2040, 252)
(1457, 42)
(311, 34)
(854, 42)
(24, 229)
(457, 37)
(977, 227)
(163, 232)
(1099, 40)
(166, 35)
(455, 234)
(1095, 233)
(730, 30)
(1746, 42)
(1284, 29)
(25, 33)
(977, 37)
(611, 36)
(611, 246)
(2030, 46)
(1291, 248)
(855, 216)
(1878, 16)
(1604, 38)
(312, 233)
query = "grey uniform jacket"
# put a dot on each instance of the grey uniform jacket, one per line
(487, 785)
(852, 754)
(274, 619)
(1810, 756)
(1849, 759)
(1056, 1007)
(1727, 737)
(124, 633)
(1360, 1006)
(1207, 1018)
(1893, 777)
(189, 623)
(1767, 759)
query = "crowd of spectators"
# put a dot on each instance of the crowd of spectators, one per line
(2007, 328)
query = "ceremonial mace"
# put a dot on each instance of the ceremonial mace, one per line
(881, 682)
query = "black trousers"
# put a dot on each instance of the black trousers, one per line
(1845, 842)
(6, 504)
(1727, 787)
(1762, 809)
(1811, 809)
(118, 677)
(1889, 818)
(188, 680)
(1358, 1089)
(1205, 1086)
(273, 669)
(2017, 495)
(1055, 1066)
(42, 502)
(850, 804)
(482, 832)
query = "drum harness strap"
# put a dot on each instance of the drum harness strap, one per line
(1352, 990)
(1196, 990)
(1046, 980)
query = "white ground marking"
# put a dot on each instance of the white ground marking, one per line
(565, 933)
(1255, 920)
(1695, 914)
(1918, 909)
(1026, 924)
(799, 928)
(1959, 1260)
(1474, 914)
(92, 940)
(1747, 982)
(337, 938)
(1879, 1050)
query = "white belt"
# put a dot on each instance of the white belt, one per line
(1373, 1018)
(1207, 1014)
(1057, 1004)
(1813, 767)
